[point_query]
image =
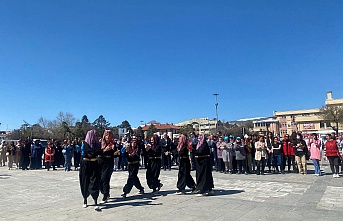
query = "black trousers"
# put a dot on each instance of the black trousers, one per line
(242, 166)
(153, 173)
(133, 179)
(334, 164)
(290, 162)
(166, 161)
(184, 175)
(261, 163)
(220, 165)
(106, 169)
(89, 177)
(192, 155)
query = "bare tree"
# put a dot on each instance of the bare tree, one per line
(65, 117)
(44, 123)
(333, 114)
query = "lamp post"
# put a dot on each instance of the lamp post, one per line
(216, 104)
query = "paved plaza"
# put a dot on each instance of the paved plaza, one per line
(55, 195)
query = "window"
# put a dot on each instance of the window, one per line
(321, 124)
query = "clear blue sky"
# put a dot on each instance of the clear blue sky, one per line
(163, 60)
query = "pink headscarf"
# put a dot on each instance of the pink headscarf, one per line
(182, 141)
(202, 138)
(94, 144)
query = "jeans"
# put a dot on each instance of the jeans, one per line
(277, 159)
(316, 166)
(67, 162)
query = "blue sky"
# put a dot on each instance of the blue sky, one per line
(163, 60)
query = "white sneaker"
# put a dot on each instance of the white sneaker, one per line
(334, 175)
(182, 192)
(337, 176)
(97, 208)
(84, 205)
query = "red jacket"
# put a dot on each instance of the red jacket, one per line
(287, 148)
(331, 148)
(49, 154)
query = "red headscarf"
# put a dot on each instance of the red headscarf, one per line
(110, 138)
(131, 150)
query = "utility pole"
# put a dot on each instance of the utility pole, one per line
(216, 104)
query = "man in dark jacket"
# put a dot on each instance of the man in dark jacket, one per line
(166, 145)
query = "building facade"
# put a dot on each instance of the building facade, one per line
(201, 125)
(307, 121)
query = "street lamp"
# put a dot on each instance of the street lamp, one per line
(216, 104)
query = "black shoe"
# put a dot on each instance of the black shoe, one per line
(141, 191)
(123, 195)
(158, 189)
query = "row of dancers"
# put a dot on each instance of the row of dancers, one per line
(98, 160)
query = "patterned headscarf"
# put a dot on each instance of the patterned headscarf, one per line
(131, 149)
(103, 140)
(182, 141)
(202, 139)
(94, 144)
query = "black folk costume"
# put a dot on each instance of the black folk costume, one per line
(89, 174)
(154, 165)
(204, 177)
(106, 163)
(133, 157)
(184, 175)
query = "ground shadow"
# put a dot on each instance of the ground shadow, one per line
(221, 192)
(5, 175)
(115, 204)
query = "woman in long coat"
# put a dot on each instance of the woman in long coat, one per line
(106, 163)
(25, 150)
(184, 176)
(89, 174)
(154, 164)
(204, 177)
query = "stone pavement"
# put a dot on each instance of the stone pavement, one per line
(55, 195)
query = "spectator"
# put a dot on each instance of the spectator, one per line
(300, 150)
(260, 155)
(166, 144)
(277, 155)
(240, 156)
(49, 156)
(3, 148)
(220, 146)
(314, 145)
(11, 154)
(288, 154)
(333, 155)
(68, 151)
